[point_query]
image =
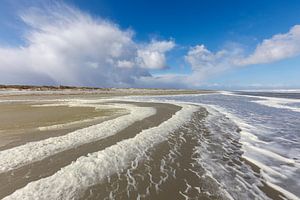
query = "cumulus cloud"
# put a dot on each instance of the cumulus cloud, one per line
(205, 63)
(280, 46)
(66, 46)
(63, 45)
(153, 55)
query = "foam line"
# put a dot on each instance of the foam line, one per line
(274, 102)
(265, 172)
(286, 193)
(34, 151)
(264, 167)
(268, 153)
(246, 129)
(71, 181)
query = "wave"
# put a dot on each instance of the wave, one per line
(274, 90)
(274, 102)
(254, 152)
(279, 103)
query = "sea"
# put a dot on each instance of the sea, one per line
(252, 149)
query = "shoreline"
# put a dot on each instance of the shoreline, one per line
(50, 165)
(21, 176)
(31, 121)
(50, 91)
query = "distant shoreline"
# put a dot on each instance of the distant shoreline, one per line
(32, 90)
(49, 87)
(65, 87)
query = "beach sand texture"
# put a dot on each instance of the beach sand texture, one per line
(97, 147)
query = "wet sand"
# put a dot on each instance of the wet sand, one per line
(12, 180)
(20, 122)
(269, 191)
(169, 170)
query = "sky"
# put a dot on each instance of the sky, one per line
(195, 44)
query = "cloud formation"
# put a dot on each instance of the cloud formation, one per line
(66, 46)
(63, 45)
(205, 63)
(280, 46)
(152, 56)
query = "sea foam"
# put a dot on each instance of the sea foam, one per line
(34, 151)
(71, 181)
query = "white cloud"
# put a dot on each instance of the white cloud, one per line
(280, 46)
(67, 46)
(152, 56)
(205, 63)
(201, 59)
(125, 64)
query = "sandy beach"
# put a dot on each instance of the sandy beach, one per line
(149, 100)
(20, 177)
(27, 118)
(98, 146)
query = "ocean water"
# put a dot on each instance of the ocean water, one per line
(253, 149)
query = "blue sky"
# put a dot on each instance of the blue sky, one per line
(180, 44)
